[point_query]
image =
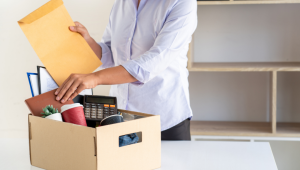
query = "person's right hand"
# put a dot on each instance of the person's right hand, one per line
(81, 30)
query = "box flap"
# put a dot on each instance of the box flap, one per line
(135, 113)
(60, 145)
(143, 155)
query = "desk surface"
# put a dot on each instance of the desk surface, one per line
(14, 155)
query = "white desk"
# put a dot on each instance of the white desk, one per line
(14, 155)
(217, 156)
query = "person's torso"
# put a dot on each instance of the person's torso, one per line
(133, 32)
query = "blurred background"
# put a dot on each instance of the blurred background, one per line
(240, 33)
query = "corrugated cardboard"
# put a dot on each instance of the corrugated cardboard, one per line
(61, 51)
(62, 146)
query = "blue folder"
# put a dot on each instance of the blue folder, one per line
(28, 75)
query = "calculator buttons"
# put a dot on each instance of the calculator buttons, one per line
(98, 110)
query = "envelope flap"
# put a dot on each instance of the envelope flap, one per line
(42, 11)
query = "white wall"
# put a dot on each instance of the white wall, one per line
(18, 57)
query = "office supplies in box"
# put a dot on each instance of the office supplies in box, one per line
(98, 107)
(61, 51)
(60, 145)
(33, 83)
(37, 103)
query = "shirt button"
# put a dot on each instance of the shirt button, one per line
(127, 59)
(124, 102)
(129, 39)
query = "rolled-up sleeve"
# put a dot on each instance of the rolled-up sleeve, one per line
(107, 57)
(175, 34)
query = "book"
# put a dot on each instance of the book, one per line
(37, 103)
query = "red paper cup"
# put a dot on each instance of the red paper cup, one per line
(73, 113)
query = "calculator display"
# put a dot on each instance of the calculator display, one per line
(100, 100)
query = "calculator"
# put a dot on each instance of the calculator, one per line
(97, 108)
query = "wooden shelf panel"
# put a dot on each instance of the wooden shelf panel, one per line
(230, 128)
(263, 66)
(222, 128)
(288, 128)
(247, 2)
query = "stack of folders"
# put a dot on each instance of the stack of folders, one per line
(42, 82)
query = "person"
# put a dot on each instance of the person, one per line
(144, 55)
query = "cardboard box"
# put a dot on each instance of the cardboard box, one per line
(58, 145)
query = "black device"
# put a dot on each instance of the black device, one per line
(97, 108)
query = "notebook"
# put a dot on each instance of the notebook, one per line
(37, 103)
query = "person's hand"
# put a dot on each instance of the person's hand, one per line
(75, 84)
(81, 30)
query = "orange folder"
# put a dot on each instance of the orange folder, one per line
(61, 51)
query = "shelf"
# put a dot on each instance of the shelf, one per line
(247, 2)
(288, 128)
(263, 66)
(222, 128)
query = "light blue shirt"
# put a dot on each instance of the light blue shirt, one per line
(151, 43)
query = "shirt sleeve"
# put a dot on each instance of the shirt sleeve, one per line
(175, 34)
(107, 57)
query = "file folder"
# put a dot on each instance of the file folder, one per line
(61, 51)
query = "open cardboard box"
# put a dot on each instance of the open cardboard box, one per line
(58, 145)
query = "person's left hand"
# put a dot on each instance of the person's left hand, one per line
(74, 84)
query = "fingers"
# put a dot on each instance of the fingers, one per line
(64, 88)
(71, 90)
(60, 87)
(78, 24)
(78, 27)
(77, 91)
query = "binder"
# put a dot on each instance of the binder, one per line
(31, 85)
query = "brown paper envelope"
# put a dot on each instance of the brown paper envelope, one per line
(61, 51)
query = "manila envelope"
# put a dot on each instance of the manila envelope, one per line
(61, 51)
